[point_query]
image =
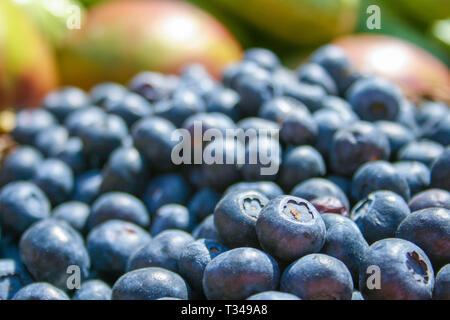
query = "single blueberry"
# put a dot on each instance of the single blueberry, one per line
(22, 204)
(379, 214)
(93, 290)
(235, 218)
(56, 179)
(111, 243)
(40, 291)
(150, 284)
(318, 277)
(430, 230)
(49, 247)
(403, 271)
(378, 175)
(239, 273)
(289, 228)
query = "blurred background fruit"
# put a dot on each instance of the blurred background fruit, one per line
(51, 16)
(27, 67)
(161, 36)
(297, 22)
(417, 72)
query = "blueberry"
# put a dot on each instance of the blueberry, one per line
(440, 133)
(125, 171)
(222, 163)
(131, 107)
(355, 145)
(29, 123)
(263, 57)
(77, 121)
(102, 137)
(150, 284)
(64, 101)
(12, 278)
(206, 229)
(73, 155)
(430, 230)
(240, 273)
(51, 141)
(224, 100)
(430, 198)
(273, 295)
(424, 151)
(152, 137)
(279, 108)
(164, 189)
(203, 203)
(111, 243)
(328, 123)
(429, 113)
(21, 164)
(378, 175)
(404, 271)
(442, 284)
(40, 291)
(440, 171)
(74, 213)
(163, 251)
(341, 106)
(49, 247)
(262, 158)
(234, 72)
(195, 258)
(118, 206)
(300, 164)
(335, 61)
(289, 228)
(379, 214)
(106, 93)
(268, 188)
(318, 277)
(344, 241)
(375, 99)
(87, 186)
(313, 73)
(22, 204)
(319, 187)
(152, 86)
(235, 218)
(93, 290)
(55, 178)
(184, 103)
(397, 134)
(171, 216)
(254, 89)
(330, 205)
(310, 95)
(298, 129)
(417, 175)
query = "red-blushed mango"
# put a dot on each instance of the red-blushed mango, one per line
(121, 38)
(416, 71)
(27, 66)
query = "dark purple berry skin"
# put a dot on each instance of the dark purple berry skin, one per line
(289, 228)
(355, 145)
(406, 272)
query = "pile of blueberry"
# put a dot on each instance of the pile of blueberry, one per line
(93, 207)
